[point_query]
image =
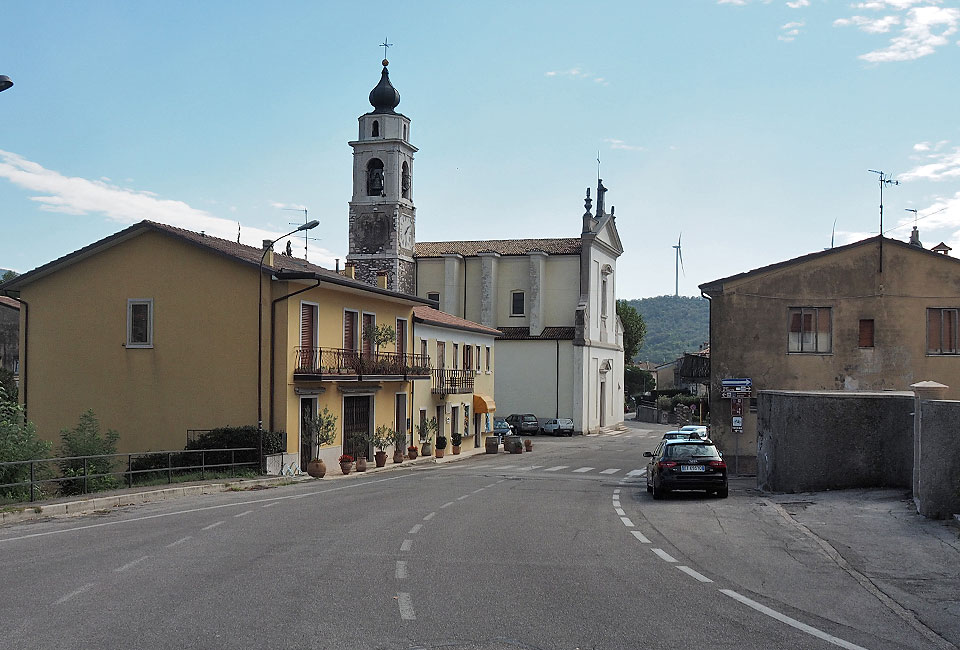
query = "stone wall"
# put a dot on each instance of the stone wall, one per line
(937, 491)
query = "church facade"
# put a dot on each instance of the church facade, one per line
(560, 353)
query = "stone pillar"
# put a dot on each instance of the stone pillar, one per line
(451, 302)
(924, 390)
(488, 288)
(538, 272)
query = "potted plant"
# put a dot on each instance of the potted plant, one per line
(361, 445)
(322, 429)
(528, 444)
(425, 430)
(412, 452)
(346, 463)
(455, 439)
(382, 437)
(399, 440)
(441, 445)
(376, 336)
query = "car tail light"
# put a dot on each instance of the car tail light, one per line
(666, 464)
(719, 464)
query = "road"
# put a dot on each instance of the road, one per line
(559, 548)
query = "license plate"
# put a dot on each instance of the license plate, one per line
(692, 468)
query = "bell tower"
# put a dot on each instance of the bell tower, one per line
(382, 214)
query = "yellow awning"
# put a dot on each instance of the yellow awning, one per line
(483, 404)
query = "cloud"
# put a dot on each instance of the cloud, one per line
(869, 25)
(578, 73)
(620, 144)
(941, 165)
(922, 146)
(288, 206)
(798, 3)
(790, 31)
(924, 30)
(81, 196)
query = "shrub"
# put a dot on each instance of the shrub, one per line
(664, 403)
(18, 441)
(85, 440)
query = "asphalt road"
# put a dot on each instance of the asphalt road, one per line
(559, 548)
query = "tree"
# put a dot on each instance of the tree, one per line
(8, 275)
(634, 329)
(637, 381)
(19, 442)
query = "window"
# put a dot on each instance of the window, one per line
(308, 335)
(942, 330)
(140, 323)
(366, 345)
(375, 177)
(433, 295)
(468, 357)
(423, 349)
(404, 131)
(456, 356)
(405, 181)
(810, 330)
(441, 354)
(488, 358)
(866, 333)
(516, 304)
(350, 338)
(401, 336)
(375, 131)
(603, 297)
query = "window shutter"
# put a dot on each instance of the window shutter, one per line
(349, 330)
(368, 323)
(950, 331)
(306, 326)
(933, 331)
(866, 333)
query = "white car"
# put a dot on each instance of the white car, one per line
(696, 430)
(558, 427)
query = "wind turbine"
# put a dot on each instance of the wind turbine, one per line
(678, 265)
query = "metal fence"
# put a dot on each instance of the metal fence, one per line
(85, 474)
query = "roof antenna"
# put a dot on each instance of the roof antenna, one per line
(833, 232)
(238, 232)
(884, 180)
(306, 237)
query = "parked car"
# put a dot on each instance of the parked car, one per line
(558, 427)
(676, 435)
(524, 423)
(699, 429)
(691, 464)
(501, 428)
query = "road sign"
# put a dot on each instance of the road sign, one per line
(742, 383)
(738, 424)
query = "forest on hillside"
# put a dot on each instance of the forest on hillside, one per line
(675, 324)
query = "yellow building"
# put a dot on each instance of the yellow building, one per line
(155, 328)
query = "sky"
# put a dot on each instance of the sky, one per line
(745, 129)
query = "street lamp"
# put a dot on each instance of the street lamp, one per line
(306, 226)
(5, 82)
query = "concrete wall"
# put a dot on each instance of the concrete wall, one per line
(938, 465)
(827, 440)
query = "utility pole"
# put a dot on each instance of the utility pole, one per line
(884, 180)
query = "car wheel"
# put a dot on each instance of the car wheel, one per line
(657, 492)
(649, 489)
(723, 493)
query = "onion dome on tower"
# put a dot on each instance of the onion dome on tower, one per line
(384, 98)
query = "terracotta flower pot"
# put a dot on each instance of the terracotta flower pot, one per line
(380, 458)
(528, 445)
(439, 453)
(398, 457)
(412, 453)
(361, 464)
(346, 467)
(317, 468)
(456, 449)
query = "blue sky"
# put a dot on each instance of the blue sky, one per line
(747, 125)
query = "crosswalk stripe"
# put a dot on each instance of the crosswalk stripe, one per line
(637, 472)
(582, 469)
(527, 469)
(611, 471)
(507, 466)
(557, 468)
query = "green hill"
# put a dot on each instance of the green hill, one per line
(675, 324)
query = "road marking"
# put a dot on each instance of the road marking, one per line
(79, 591)
(616, 502)
(626, 522)
(620, 511)
(406, 607)
(243, 514)
(582, 470)
(556, 469)
(617, 491)
(639, 535)
(130, 564)
(666, 557)
(401, 570)
(461, 498)
(694, 574)
(406, 546)
(611, 471)
(446, 505)
(415, 529)
(272, 503)
(179, 541)
(636, 472)
(803, 627)
(477, 490)
(430, 516)
(507, 466)
(501, 481)
(491, 485)
(214, 525)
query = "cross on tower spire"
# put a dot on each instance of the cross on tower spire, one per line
(385, 45)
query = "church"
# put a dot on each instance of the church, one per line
(560, 351)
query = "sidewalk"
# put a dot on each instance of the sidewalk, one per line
(102, 501)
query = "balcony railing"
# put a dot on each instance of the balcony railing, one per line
(448, 381)
(347, 365)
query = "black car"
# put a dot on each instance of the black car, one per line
(693, 464)
(501, 428)
(524, 423)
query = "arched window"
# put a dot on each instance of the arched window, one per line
(404, 131)
(375, 131)
(375, 177)
(405, 181)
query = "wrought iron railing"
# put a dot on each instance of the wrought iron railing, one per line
(340, 363)
(448, 381)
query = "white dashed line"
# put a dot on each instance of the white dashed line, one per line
(415, 529)
(131, 564)
(76, 593)
(611, 471)
(461, 498)
(803, 627)
(666, 557)
(213, 525)
(617, 491)
(401, 570)
(620, 511)
(406, 607)
(477, 490)
(243, 514)
(267, 505)
(640, 536)
(446, 505)
(582, 470)
(179, 541)
(491, 485)
(406, 545)
(430, 516)
(690, 572)
(501, 480)
(556, 469)
(507, 466)
(626, 522)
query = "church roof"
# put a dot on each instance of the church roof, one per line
(559, 246)
(384, 97)
(431, 316)
(548, 334)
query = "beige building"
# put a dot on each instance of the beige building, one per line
(878, 314)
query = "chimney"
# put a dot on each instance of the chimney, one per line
(268, 244)
(338, 264)
(915, 237)
(382, 279)
(349, 270)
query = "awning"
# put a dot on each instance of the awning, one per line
(483, 404)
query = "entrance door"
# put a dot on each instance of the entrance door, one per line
(308, 410)
(603, 401)
(356, 420)
(401, 413)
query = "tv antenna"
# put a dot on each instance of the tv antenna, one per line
(678, 264)
(884, 181)
(915, 218)
(306, 237)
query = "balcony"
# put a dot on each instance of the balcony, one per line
(447, 381)
(337, 364)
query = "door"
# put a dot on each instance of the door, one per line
(603, 401)
(401, 414)
(308, 410)
(356, 420)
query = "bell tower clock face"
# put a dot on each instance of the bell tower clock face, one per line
(405, 232)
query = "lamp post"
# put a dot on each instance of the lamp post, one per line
(5, 82)
(306, 226)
